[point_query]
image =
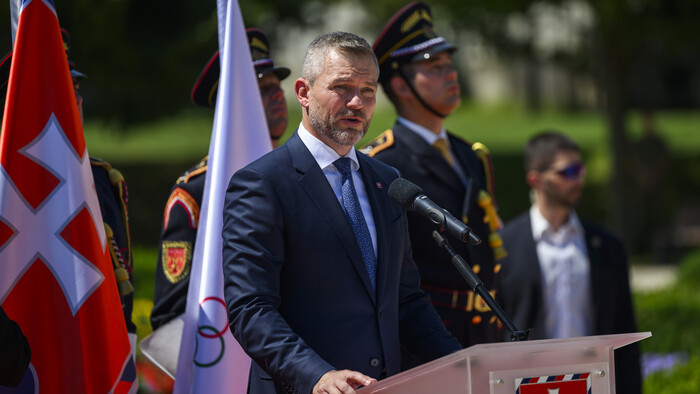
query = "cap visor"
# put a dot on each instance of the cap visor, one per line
(434, 50)
(282, 72)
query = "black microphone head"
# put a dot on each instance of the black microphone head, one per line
(404, 192)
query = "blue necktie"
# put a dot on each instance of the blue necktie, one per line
(351, 206)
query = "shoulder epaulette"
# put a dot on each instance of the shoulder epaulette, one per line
(383, 141)
(200, 168)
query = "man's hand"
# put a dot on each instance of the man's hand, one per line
(345, 381)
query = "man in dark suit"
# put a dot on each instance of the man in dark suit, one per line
(419, 78)
(181, 216)
(563, 277)
(319, 281)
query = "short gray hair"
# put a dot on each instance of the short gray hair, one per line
(346, 43)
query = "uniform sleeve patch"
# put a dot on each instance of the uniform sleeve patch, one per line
(177, 260)
(180, 197)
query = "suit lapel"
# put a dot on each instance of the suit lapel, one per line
(315, 183)
(429, 157)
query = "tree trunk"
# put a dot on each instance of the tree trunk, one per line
(616, 111)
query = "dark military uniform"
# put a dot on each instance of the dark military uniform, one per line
(177, 239)
(409, 38)
(113, 197)
(466, 316)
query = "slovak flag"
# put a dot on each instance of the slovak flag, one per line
(56, 279)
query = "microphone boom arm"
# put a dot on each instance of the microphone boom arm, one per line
(478, 286)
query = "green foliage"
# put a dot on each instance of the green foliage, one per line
(689, 273)
(673, 315)
(180, 139)
(145, 259)
(682, 379)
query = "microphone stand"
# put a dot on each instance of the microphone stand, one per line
(480, 289)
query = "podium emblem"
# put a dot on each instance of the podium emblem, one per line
(578, 383)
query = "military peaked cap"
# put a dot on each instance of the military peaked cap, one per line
(408, 37)
(207, 83)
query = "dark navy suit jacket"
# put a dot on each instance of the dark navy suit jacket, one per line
(521, 291)
(298, 294)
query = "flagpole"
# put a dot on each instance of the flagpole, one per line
(210, 359)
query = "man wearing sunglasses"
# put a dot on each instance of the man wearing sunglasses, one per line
(564, 277)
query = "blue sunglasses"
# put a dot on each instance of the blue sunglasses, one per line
(572, 171)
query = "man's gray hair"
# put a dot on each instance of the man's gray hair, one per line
(346, 43)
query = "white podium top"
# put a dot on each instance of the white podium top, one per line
(498, 368)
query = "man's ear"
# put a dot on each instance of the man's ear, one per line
(301, 88)
(533, 179)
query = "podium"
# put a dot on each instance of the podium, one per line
(569, 365)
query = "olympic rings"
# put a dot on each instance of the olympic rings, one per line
(196, 345)
(217, 334)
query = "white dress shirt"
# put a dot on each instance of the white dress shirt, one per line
(565, 270)
(325, 156)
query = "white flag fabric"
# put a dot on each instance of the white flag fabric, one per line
(210, 360)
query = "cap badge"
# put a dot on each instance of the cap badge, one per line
(416, 17)
(257, 43)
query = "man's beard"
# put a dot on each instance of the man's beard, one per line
(568, 198)
(343, 137)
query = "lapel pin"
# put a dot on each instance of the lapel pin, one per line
(379, 185)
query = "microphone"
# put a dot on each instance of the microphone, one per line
(412, 198)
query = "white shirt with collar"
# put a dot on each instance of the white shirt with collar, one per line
(565, 272)
(430, 137)
(325, 156)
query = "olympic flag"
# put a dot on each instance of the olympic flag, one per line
(210, 359)
(56, 277)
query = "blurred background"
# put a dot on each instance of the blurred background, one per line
(622, 77)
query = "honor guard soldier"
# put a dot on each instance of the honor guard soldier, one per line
(113, 196)
(417, 74)
(182, 208)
